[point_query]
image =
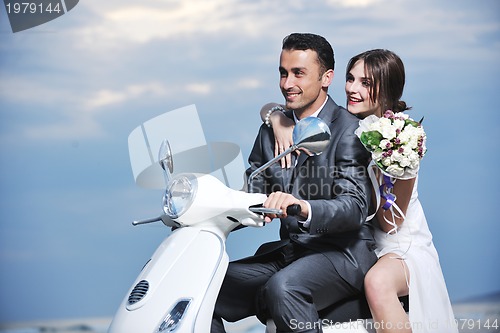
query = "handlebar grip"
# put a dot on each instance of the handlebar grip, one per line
(293, 210)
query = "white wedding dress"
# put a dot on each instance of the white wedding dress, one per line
(430, 307)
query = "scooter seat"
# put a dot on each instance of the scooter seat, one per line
(352, 309)
(348, 310)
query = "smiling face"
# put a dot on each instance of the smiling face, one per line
(358, 89)
(303, 82)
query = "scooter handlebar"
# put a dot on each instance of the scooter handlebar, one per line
(162, 218)
(292, 210)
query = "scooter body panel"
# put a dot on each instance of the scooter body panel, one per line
(175, 272)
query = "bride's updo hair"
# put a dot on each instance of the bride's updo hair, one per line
(387, 73)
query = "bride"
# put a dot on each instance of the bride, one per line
(408, 262)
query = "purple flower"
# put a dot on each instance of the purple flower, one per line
(389, 114)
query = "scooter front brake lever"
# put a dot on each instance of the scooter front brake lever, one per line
(146, 221)
(163, 218)
(264, 210)
(292, 210)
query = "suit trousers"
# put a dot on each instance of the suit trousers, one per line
(289, 285)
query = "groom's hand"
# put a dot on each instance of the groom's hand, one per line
(281, 200)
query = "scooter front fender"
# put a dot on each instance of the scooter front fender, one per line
(190, 265)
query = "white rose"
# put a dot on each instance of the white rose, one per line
(404, 136)
(386, 129)
(413, 156)
(395, 171)
(419, 131)
(396, 156)
(377, 155)
(386, 161)
(384, 144)
(406, 149)
(413, 142)
(399, 124)
(405, 162)
(385, 122)
(388, 132)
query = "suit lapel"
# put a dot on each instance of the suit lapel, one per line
(330, 112)
(301, 160)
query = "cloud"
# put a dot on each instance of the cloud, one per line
(134, 23)
(107, 97)
(352, 3)
(198, 30)
(77, 114)
(199, 88)
(74, 125)
(249, 83)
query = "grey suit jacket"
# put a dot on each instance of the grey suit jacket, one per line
(337, 187)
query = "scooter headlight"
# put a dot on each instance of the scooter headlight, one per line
(179, 195)
(174, 317)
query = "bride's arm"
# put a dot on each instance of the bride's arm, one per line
(282, 128)
(402, 190)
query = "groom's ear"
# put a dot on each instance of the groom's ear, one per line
(327, 78)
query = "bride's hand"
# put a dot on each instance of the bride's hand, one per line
(283, 129)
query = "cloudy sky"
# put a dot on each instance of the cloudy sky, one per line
(73, 89)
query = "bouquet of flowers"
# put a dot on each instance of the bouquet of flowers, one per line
(396, 141)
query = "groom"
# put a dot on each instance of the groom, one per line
(324, 253)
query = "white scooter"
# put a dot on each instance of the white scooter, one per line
(177, 288)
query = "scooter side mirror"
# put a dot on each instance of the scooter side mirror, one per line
(310, 135)
(166, 160)
(165, 156)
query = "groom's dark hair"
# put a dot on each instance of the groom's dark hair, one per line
(308, 41)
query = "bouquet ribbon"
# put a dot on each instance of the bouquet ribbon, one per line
(385, 192)
(385, 185)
